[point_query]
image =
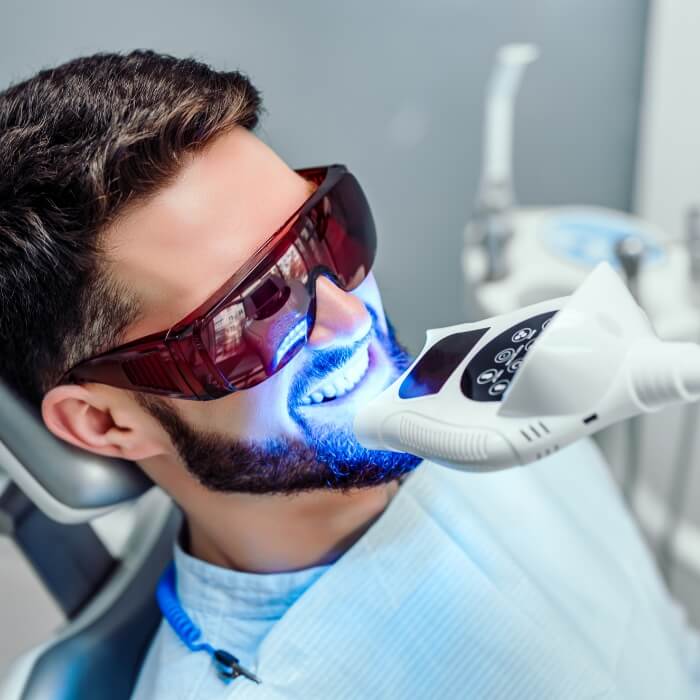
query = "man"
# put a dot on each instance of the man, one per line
(138, 208)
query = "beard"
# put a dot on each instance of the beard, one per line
(329, 456)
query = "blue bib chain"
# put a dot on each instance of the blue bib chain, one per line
(227, 665)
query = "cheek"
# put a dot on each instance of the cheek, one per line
(255, 414)
(264, 409)
(369, 293)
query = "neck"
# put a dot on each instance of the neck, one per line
(265, 534)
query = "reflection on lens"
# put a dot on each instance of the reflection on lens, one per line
(295, 335)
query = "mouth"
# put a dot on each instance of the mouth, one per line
(341, 381)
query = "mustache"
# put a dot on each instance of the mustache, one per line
(321, 364)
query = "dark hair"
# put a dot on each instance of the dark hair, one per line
(79, 144)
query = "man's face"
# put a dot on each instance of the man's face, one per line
(277, 437)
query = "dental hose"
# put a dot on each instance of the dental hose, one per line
(691, 419)
(676, 499)
(673, 513)
(657, 385)
(629, 251)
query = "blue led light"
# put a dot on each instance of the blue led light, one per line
(295, 335)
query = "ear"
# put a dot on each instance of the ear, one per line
(84, 417)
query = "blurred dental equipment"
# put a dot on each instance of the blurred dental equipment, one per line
(512, 389)
(548, 253)
(491, 225)
(629, 251)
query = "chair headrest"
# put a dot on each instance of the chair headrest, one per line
(70, 485)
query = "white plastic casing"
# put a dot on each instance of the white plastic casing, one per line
(561, 369)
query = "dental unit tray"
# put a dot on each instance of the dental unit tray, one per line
(514, 388)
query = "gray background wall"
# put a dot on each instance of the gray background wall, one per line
(394, 90)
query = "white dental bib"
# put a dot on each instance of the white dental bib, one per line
(528, 583)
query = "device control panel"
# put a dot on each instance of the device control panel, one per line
(491, 370)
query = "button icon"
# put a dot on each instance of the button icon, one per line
(522, 334)
(489, 375)
(499, 387)
(514, 366)
(504, 355)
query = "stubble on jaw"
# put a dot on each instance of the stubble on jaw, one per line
(329, 457)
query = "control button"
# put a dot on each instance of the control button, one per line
(489, 375)
(504, 355)
(522, 334)
(514, 366)
(500, 353)
(499, 387)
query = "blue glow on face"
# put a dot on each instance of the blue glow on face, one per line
(321, 365)
(335, 445)
(296, 335)
(328, 456)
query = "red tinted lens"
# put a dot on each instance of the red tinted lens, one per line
(268, 322)
(347, 228)
(253, 338)
(236, 361)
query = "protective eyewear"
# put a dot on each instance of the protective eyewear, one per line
(255, 323)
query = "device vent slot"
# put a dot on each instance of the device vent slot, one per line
(531, 433)
(147, 371)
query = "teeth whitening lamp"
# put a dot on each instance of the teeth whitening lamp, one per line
(517, 387)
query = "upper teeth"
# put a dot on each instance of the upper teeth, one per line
(341, 380)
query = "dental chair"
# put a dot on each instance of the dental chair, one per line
(59, 503)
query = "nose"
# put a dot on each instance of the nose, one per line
(340, 316)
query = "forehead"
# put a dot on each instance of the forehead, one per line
(177, 248)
